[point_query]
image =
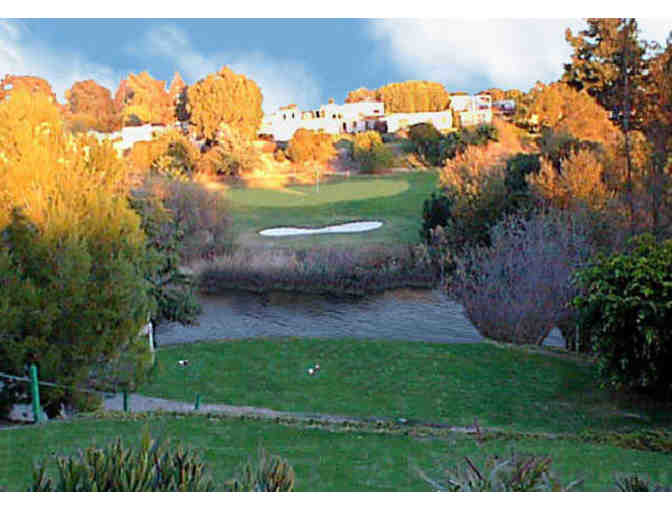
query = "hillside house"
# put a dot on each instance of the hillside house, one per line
(472, 110)
(368, 115)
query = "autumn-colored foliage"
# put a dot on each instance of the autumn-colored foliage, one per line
(169, 153)
(224, 97)
(563, 109)
(72, 257)
(89, 101)
(406, 97)
(177, 92)
(145, 98)
(581, 181)
(307, 146)
(361, 94)
(596, 65)
(32, 84)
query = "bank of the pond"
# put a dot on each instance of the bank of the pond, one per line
(402, 314)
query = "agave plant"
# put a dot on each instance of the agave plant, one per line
(519, 473)
(114, 468)
(269, 474)
(635, 483)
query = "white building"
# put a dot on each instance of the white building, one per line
(367, 115)
(472, 110)
(441, 120)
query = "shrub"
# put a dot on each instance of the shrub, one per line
(517, 168)
(579, 181)
(116, 468)
(430, 145)
(423, 132)
(268, 474)
(171, 289)
(436, 211)
(635, 483)
(519, 473)
(202, 216)
(308, 146)
(480, 135)
(370, 152)
(517, 290)
(627, 307)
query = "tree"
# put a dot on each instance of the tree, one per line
(361, 94)
(225, 97)
(657, 126)
(32, 84)
(177, 93)
(597, 64)
(406, 97)
(89, 98)
(147, 98)
(414, 96)
(73, 295)
(563, 109)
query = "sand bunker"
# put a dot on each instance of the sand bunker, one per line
(346, 228)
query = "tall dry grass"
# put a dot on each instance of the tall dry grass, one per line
(319, 270)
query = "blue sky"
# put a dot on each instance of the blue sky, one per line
(305, 61)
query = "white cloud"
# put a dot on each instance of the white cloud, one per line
(21, 54)
(475, 54)
(281, 81)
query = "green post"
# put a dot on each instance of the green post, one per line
(125, 394)
(198, 402)
(35, 390)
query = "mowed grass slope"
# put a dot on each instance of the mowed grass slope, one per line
(396, 200)
(323, 460)
(428, 382)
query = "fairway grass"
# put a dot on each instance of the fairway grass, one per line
(425, 382)
(396, 200)
(323, 460)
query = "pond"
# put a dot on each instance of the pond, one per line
(403, 314)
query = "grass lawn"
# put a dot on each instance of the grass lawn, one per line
(449, 383)
(396, 200)
(323, 460)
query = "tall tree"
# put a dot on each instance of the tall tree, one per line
(656, 111)
(89, 98)
(177, 94)
(32, 84)
(225, 97)
(407, 97)
(598, 64)
(144, 97)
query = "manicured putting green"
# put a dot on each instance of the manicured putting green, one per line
(329, 192)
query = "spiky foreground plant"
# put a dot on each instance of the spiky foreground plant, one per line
(269, 474)
(114, 468)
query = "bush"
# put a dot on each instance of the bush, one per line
(202, 216)
(308, 146)
(635, 483)
(171, 289)
(627, 307)
(430, 145)
(519, 473)
(480, 135)
(268, 474)
(516, 290)
(436, 211)
(370, 152)
(517, 167)
(423, 132)
(115, 468)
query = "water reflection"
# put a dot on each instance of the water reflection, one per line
(404, 314)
